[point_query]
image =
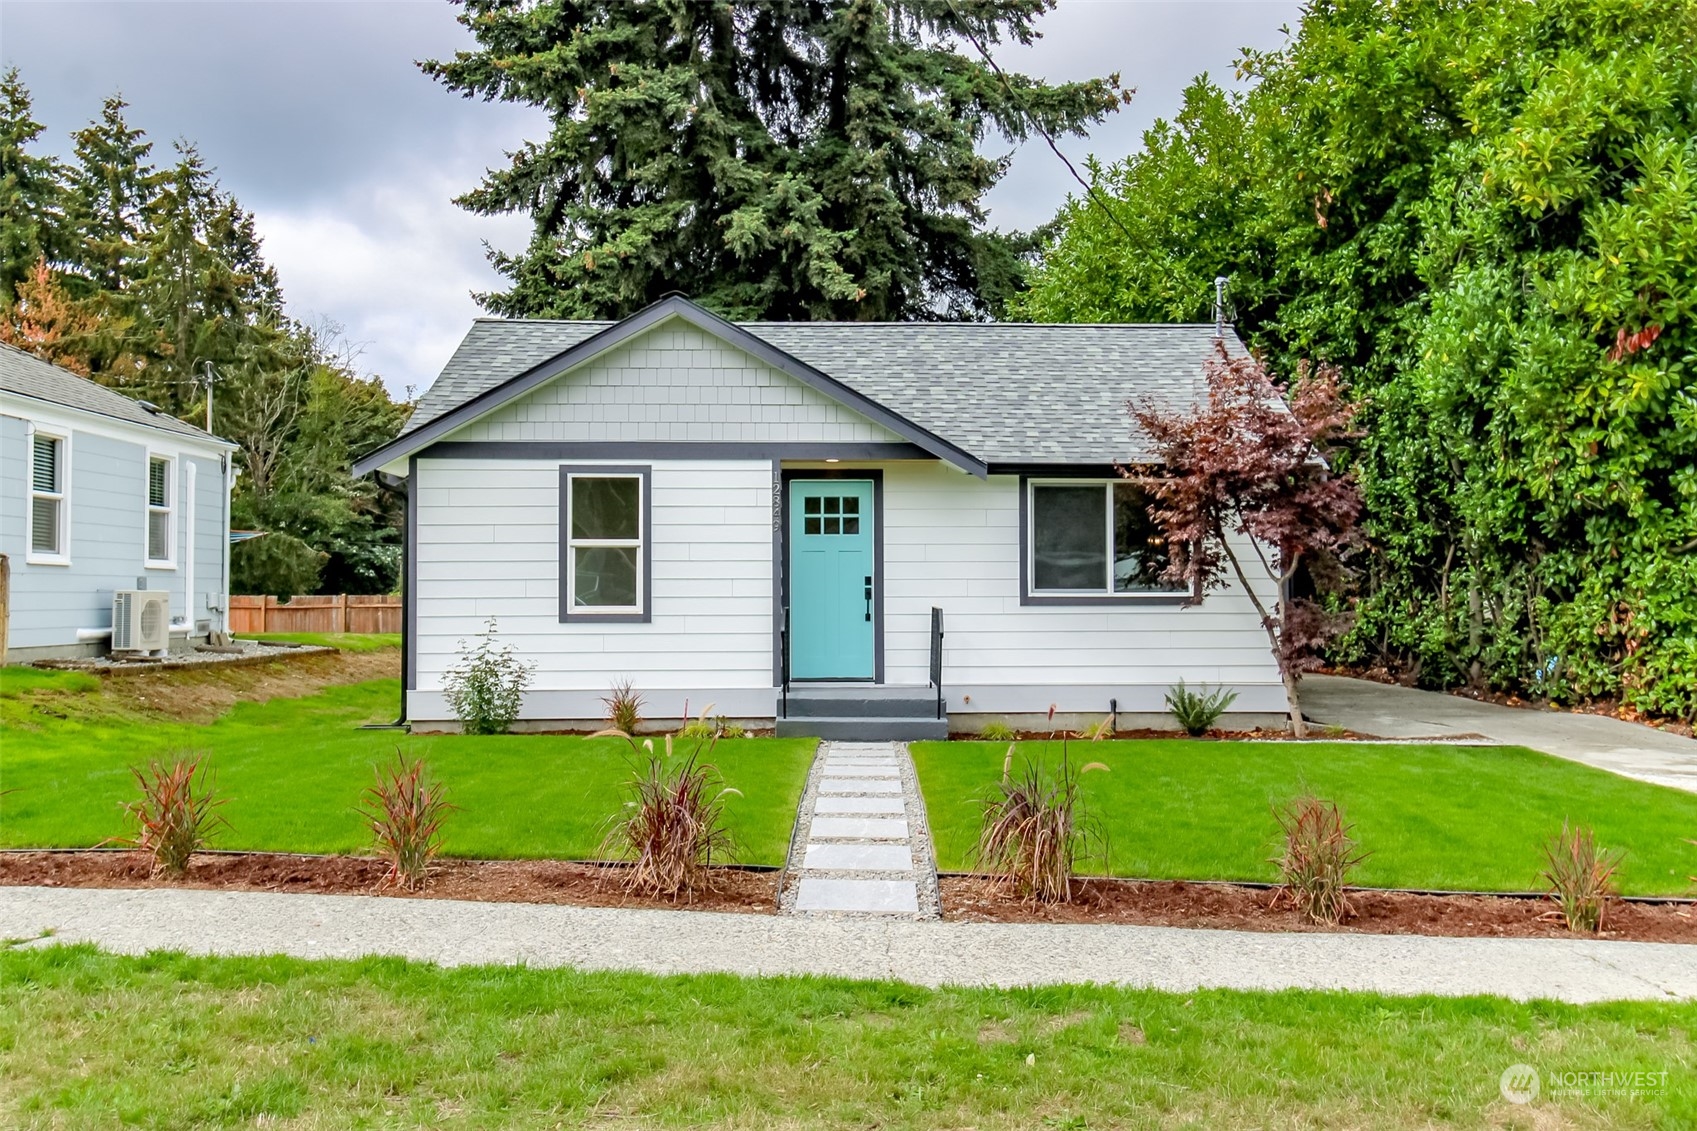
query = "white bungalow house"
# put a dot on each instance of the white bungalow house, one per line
(102, 495)
(852, 529)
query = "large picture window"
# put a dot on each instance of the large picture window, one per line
(604, 523)
(49, 536)
(160, 505)
(1092, 540)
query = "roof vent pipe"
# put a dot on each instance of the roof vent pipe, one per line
(1220, 307)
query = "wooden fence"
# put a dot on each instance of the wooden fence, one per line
(341, 613)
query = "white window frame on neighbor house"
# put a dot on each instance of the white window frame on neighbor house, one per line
(1106, 594)
(60, 555)
(570, 611)
(168, 510)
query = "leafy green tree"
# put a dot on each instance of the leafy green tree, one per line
(1484, 214)
(32, 191)
(785, 160)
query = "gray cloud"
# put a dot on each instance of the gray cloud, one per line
(318, 120)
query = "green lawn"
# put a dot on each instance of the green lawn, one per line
(1433, 816)
(95, 1040)
(346, 641)
(294, 769)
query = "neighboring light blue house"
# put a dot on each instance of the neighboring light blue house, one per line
(845, 529)
(100, 495)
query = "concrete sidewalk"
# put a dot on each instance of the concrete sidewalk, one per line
(1388, 711)
(927, 953)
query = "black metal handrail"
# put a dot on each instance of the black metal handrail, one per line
(937, 656)
(784, 661)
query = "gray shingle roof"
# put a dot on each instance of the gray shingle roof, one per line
(1005, 392)
(27, 375)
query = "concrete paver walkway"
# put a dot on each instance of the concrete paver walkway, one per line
(1400, 712)
(923, 952)
(861, 844)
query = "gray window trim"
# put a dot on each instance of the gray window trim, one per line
(1061, 600)
(409, 585)
(569, 615)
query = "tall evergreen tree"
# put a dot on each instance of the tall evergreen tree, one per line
(111, 182)
(32, 191)
(782, 159)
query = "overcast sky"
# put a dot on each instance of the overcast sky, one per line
(318, 121)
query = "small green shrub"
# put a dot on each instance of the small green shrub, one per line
(175, 816)
(624, 707)
(485, 690)
(728, 729)
(673, 826)
(1197, 712)
(1318, 856)
(997, 730)
(1581, 877)
(1034, 829)
(404, 812)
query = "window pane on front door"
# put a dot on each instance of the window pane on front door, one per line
(606, 507)
(605, 575)
(1069, 539)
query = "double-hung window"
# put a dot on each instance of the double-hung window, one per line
(161, 502)
(49, 533)
(1089, 541)
(604, 546)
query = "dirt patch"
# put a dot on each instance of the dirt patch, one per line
(485, 881)
(1237, 907)
(204, 693)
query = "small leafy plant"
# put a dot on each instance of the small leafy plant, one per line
(702, 728)
(1034, 829)
(673, 826)
(1319, 854)
(1581, 877)
(1197, 712)
(177, 812)
(996, 730)
(486, 688)
(624, 707)
(404, 812)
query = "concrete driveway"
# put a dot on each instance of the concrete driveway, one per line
(1400, 712)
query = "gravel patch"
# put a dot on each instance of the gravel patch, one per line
(237, 652)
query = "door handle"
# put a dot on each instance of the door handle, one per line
(869, 599)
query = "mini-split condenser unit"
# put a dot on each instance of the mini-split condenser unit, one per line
(141, 620)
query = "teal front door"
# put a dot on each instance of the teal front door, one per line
(831, 579)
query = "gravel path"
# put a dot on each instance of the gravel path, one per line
(861, 843)
(928, 953)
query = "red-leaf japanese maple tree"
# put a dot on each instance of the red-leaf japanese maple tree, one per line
(1252, 461)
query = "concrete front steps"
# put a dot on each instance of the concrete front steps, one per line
(862, 712)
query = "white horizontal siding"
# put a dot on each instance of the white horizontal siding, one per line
(488, 546)
(952, 541)
(675, 383)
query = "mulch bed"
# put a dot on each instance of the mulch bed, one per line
(1164, 903)
(492, 881)
(1174, 903)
